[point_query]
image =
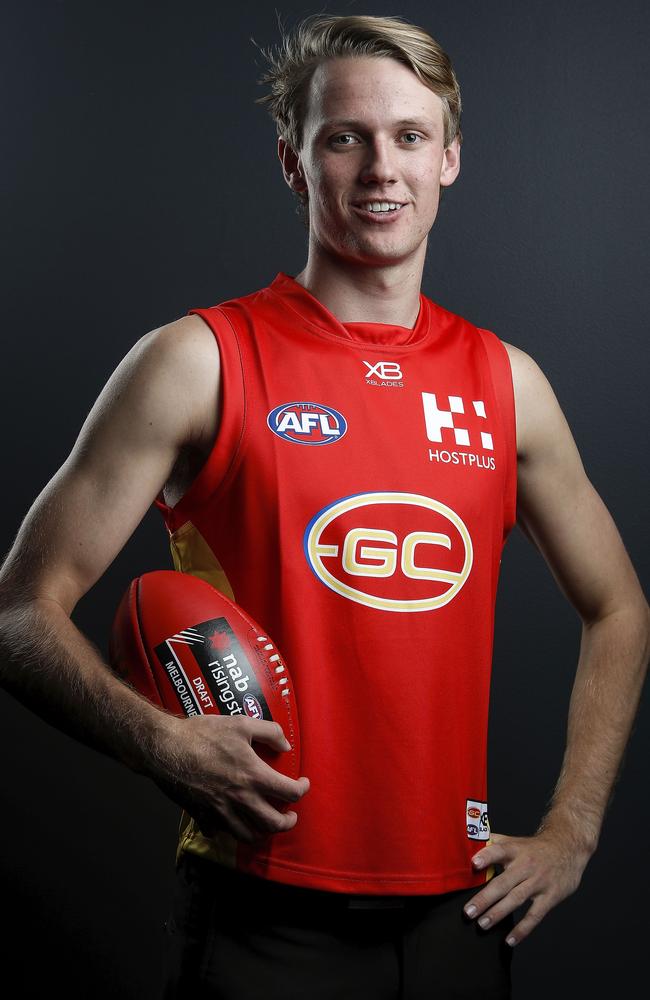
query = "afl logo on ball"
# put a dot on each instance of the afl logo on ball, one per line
(307, 423)
(252, 707)
(390, 550)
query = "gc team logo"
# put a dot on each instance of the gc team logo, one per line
(307, 423)
(390, 550)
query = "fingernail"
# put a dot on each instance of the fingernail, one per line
(470, 910)
(478, 862)
(511, 941)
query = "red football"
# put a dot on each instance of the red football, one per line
(187, 647)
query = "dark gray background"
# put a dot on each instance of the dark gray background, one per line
(139, 179)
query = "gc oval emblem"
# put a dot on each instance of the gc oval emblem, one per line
(390, 550)
(307, 423)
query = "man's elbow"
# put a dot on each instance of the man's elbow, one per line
(628, 618)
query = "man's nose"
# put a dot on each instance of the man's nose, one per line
(379, 162)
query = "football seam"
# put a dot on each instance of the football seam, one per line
(143, 648)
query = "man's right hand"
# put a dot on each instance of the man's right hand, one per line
(211, 770)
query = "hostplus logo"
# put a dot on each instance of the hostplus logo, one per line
(448, 425)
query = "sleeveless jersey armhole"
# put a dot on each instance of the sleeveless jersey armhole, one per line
(222, 459)
(501, 371)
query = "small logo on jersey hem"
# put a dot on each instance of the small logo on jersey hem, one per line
(476, 820)
(307, 423)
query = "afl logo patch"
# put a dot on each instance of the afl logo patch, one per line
(390, 550)
(252, 707)
(307, 423)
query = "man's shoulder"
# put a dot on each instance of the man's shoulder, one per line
(525, 370)
(186, 352)
(537, 409)
(527, 376)
(516, 355)
(187, 334)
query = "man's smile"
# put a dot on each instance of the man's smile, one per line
(379, 211)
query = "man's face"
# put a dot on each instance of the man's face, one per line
(372, 132)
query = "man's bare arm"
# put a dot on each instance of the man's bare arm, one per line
(123, 454)
(157, 400)
(565, 518)
(83, 517)
(561, 513)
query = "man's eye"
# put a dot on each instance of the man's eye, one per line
(348, 135)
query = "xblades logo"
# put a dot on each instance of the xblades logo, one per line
(383, 373)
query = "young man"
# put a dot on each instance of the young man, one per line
(346, 459)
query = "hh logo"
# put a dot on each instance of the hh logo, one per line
(389, 550)
(384, 370)
(307, 423)
(436, 418)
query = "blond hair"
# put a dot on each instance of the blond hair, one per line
(319, 37)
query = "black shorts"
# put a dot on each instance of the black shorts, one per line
(232, 936)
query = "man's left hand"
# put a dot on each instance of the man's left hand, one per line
(546, 868)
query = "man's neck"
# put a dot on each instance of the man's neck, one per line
(366, 295)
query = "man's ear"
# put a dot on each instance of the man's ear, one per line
(291, 166)
(450, 167)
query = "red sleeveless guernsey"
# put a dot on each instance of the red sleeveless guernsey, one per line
(356, 503)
